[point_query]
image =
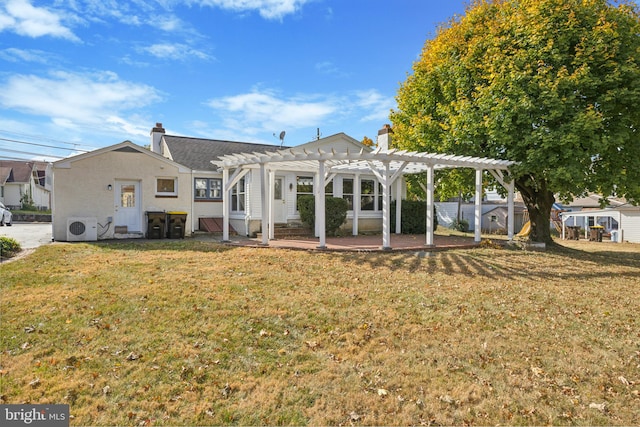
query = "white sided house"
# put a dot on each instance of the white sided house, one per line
(621, 222)
(244, 187)
(109, 192)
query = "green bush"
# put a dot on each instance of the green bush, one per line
(9, 247)
(27, 203)
(335, 212)
(413, 217)
(462, 225)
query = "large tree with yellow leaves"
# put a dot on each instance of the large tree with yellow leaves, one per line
(551, 84)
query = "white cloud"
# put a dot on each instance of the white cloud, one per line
(76, 99)
(25, 19)
(257, 112)
(263, 112)
(374, 104)
(13, 54)
(175, 51)
(268, 9)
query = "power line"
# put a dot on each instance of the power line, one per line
(15, 158)
(41, 137)
(30, 153)
(42, 145)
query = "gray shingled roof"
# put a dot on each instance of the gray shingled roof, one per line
(197, 153)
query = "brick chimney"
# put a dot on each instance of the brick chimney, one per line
(156, 136)
(384, 137)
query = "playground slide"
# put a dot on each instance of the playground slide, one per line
(526, 229)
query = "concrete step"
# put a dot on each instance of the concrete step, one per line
(283, 232)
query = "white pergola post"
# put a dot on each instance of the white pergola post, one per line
(226, 196)
(356, 203)
(386, 220)
(478, 211)
(272, 180)
(429, 197)
(510, 210)
(398, 206)
(264, 182)
(320, 206)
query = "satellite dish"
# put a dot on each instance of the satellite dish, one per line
(282, 138)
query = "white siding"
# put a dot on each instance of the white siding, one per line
(631, 226)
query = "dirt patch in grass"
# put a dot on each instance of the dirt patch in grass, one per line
(194, 333)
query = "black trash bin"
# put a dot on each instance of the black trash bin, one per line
(176, 222)
(155, 224)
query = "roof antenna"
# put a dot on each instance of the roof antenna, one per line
(282, 138)
(318, 134)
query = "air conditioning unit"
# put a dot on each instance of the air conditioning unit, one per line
(82, 229)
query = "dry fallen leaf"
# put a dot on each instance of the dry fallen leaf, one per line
(599, 406)
(537, 371)
(312, 344)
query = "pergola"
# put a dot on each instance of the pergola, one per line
(386, 165)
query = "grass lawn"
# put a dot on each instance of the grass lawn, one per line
(195, 333)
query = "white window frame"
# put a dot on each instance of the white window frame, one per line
(207, 189)
(167, 193)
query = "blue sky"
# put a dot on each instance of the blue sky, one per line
(83, 74)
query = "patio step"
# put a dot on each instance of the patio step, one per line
(283, 231)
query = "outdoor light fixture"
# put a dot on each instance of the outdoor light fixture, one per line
(109, 187)
(291, 186)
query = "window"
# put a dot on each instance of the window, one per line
(166, 187)
(304, 186)
(328, 189)
(127, 196)
(371, 195)
(208, 189)
(238, 194)
(347, 191)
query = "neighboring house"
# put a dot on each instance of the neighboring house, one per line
(114, 192)
(590, 202)
(494, 215)
(625, 220)
(25, 181)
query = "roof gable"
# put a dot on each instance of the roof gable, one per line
(339, 142)
(125, 146)
(16, 170)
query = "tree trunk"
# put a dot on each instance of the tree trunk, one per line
(539, 202)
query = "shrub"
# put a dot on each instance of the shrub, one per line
(9, 247)
(413, 217)
(26, 203)
(461, 225)
(335, 212)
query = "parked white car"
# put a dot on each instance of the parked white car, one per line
(5, 215)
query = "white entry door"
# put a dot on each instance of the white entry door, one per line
(279, 201)
(127, 205)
